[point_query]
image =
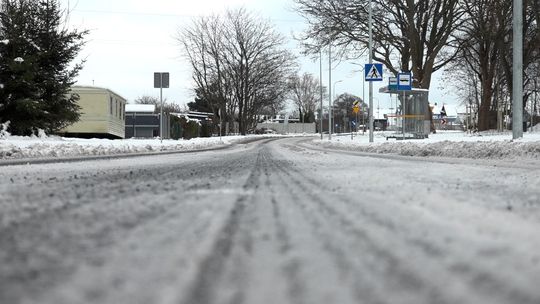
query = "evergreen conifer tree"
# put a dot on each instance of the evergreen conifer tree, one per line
(35, 66)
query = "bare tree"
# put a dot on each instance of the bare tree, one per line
(168, 107)
(485, 25)
(239, 64)
(305, 94)
(485, 52)
(531, 48)
(203, 43)
(410, 35)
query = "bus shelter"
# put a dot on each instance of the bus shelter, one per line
(413, 115)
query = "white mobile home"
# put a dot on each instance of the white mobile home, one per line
(102, 114)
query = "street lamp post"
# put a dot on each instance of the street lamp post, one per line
(517, 104)
(330, 92)
(335, 86)
(321, 88)
(335, 96)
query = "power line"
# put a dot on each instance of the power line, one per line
(131, 42)
(133, 13)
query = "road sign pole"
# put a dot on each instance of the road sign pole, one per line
(357, 122)
(161, 111)
(371, 82)
(161, 80)
(403, 115)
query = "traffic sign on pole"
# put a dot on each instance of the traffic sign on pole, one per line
(373, 72)
(392, 83)
(161, 81)
(404, 82)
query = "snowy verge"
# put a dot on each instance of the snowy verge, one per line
(444, 144)
(17, 147)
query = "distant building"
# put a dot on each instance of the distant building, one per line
(102, 114)
(201, 117)
(446, 117)
(143, 122)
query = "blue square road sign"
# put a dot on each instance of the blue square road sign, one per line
(373, 72)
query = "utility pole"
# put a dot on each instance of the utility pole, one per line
(533, 102)
(335, 98)
(371, 82)
(517, 104)
(330, 92)
(321, 87)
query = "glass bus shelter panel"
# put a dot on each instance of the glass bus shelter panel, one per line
(415, 117)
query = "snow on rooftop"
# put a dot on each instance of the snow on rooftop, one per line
(140, 108)
(82, 88)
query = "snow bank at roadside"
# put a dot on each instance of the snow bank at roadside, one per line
(450, 144)
(17, 147)
(446, 148)
(444, 144)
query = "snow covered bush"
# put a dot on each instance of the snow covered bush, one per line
(40, 133)
(3, 130)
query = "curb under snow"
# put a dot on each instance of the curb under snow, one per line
(455, 149)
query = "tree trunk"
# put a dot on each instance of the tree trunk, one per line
(484, 113)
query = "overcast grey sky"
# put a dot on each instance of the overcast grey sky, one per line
(130, 40)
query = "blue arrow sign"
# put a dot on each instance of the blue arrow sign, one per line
(373, 72)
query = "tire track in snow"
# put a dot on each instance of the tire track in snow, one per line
(43, 247)
(486, 284)
(211, 268)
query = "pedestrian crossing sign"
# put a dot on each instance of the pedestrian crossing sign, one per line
(373, 72)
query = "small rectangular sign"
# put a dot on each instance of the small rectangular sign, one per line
(404, 82)
(165, 80)
(392, 83)
(161, 80)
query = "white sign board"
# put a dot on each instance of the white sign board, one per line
(404, 82)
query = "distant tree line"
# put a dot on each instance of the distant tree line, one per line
(168, 107)
(484, 59)
(240, 66)
(305, 93)
(472, 39)
(36, 71)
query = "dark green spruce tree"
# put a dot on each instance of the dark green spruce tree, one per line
(201, 104)
(36, 53)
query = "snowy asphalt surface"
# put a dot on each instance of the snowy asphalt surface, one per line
(270, 221)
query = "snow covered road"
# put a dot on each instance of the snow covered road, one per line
(270, 221)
